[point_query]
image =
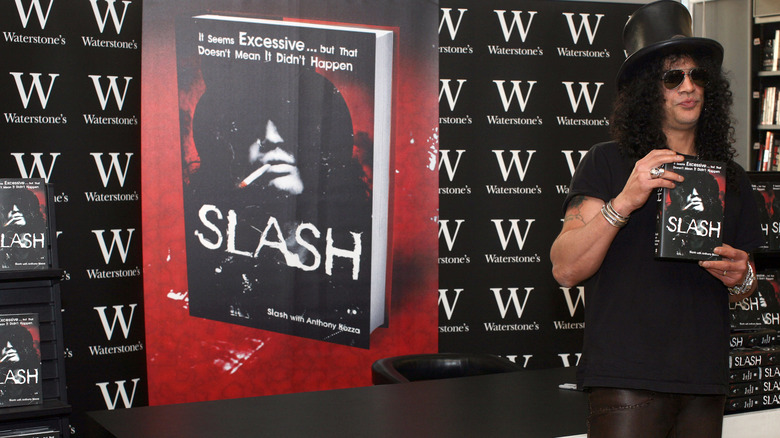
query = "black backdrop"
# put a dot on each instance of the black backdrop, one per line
(70, 93)
(526, 87)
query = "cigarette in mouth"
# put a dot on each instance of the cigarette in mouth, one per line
(253, 176)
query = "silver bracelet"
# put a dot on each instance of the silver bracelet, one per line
(614, 218)
(747, 283)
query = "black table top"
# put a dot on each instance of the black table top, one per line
(520, 404)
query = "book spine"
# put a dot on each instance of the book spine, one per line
(739, 358)
(752, 402)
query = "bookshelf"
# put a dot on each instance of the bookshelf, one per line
(765, 78)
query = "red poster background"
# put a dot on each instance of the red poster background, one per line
(193, 359)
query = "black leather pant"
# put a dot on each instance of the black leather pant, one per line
(630, 413)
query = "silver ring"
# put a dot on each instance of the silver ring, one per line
(657, 172)
(725, 272)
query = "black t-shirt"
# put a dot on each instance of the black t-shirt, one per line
(650, 324)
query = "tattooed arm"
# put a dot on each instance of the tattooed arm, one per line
(586, 235)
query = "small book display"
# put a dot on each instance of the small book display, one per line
(24, 236)
(690, 216)
(20, 360)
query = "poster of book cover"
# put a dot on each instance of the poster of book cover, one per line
(24, 237)
(20, 360)
(690, 215)
(286, 174)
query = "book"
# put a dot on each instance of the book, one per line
(753, 338)
(752, 402)
(754, 387)
(761, 310)
(776, 51)
(752, 357)
(768, 54)
(286, 150)
(24, 236)
(690, 216)
(20, 360)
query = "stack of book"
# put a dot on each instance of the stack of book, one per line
(754, 358)
(767, 153)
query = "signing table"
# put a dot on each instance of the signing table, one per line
(521, 404)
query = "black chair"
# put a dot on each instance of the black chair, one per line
(410, 368)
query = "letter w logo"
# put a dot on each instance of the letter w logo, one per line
(446, 18)
(118, 316)
(449, 308)
(512, 299)
(117, 240)
(584, 91)
(34, 4)
(444, 229)
(447, 91)
(112, 88)
(445, 161)
(37, 165)
(35, 85)
(516, 91)
(575, 302)
(516, 20)
(110, 10)
(584, 22)
(115, 166)
(515, 162)
(514, 231)
(120, 391)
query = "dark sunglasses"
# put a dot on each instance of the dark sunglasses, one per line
(673, 78)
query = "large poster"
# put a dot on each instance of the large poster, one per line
(526, 87)
(263, 169)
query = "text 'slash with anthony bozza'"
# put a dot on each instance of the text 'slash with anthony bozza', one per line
(690, 216)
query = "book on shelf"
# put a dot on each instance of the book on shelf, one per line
(286, 150)
(768, 54)
(776, 51)
(689, 216)
(20, 360)
(769, 106)
(24, 234)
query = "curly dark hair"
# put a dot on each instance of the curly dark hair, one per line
(637, 117)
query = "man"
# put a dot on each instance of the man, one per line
(655, 352)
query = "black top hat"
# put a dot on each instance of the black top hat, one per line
(658, 29)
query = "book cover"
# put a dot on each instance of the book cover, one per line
(761, 310)
(20, 360)
(285, 131)
(24, 236)
(690, 216)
